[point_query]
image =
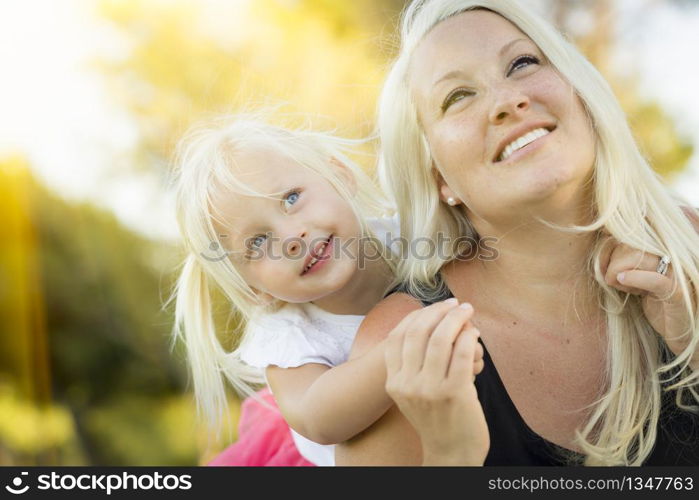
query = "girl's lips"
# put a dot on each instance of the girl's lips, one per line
(321, 259)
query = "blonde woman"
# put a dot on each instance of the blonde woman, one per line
(495, 128)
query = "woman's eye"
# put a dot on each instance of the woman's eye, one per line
(291, 198)
(454, 97)
(522, 62)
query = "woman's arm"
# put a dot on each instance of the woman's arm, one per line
(330, 405)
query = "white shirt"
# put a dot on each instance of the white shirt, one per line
(293, 336)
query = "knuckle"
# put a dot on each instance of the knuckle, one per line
(469, 341)
(437, 340)
(443, 394)
(415, 392)
(463, 355)
(438, 306)
(430, 395)
(421, 392)
(474, 332)
(459, 312)
(414, 332)
(395, 386)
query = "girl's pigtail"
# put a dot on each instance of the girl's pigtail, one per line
(207, 358)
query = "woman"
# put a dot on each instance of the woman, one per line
(492, 125)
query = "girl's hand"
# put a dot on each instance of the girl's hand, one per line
(635, 272)
(432, 358)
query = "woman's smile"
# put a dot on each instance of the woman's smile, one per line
(523, 145)
(487, 97)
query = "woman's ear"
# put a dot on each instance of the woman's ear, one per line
(445, 193)
(346, 175)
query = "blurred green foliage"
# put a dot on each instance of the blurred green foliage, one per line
(186, 61)
(118, 390)
(666, 149)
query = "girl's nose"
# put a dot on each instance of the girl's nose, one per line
(508, 102)
(296, 244)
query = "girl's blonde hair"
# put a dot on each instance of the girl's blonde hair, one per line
(630, 204)
(203, 165)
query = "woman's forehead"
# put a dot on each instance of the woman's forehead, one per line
(469, 35)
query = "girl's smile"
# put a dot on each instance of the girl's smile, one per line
(318, 257)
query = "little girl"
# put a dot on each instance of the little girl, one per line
(294, 234)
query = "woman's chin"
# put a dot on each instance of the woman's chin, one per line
(538, 200)
(553, 186)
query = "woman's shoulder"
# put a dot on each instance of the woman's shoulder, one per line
(426, 293)
(382, 318)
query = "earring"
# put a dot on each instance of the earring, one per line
(451, 201)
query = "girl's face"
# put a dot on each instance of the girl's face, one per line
(298, 245)
(507, 134)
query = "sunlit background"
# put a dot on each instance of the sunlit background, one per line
(93, 96)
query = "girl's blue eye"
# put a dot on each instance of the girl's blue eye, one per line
(291, 198)
(258, 241)
(522, 62)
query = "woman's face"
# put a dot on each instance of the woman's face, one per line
(507, 134)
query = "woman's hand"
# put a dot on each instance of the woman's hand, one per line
(432, 358)
(632, 271)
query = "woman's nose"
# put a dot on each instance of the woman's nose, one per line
(508, 102)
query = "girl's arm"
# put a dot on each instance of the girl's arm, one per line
(330, 405)
(431, 357)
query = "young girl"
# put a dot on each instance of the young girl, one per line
(291, 231)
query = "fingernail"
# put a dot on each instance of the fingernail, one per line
(466, 306)
(620, 277)
(451, 301)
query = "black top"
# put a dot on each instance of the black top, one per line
(512, 442)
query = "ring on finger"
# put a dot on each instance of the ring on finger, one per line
(663, 265)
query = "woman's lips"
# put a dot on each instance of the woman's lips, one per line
(529, 148)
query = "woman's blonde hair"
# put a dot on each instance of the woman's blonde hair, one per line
(630, 204)
(203, 166)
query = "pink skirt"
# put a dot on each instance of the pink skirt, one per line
(264, 439)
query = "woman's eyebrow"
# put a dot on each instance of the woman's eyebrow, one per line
(459, 73)
(510, 44)
(451, 74)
